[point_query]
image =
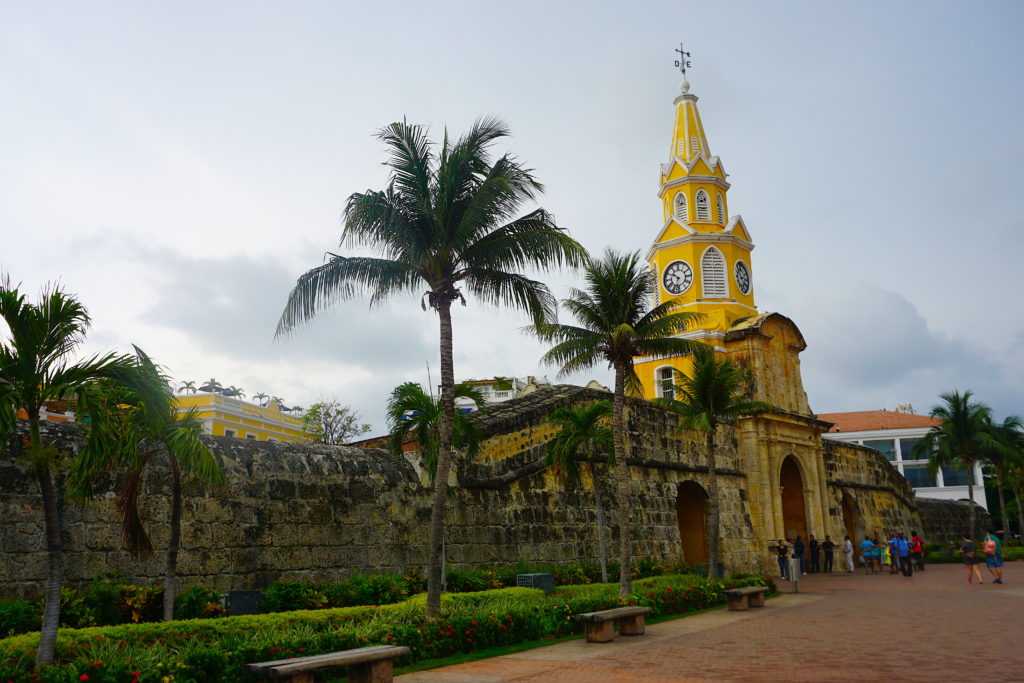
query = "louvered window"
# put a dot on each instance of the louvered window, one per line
(665, 388)
(681, 206)
(703, 210)
(712, 274)
(721, 210)
(681, 148)
(655, 290)
(694, 145)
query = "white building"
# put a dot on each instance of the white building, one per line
(894, 434)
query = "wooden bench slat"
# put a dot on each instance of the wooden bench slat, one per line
(286, 667)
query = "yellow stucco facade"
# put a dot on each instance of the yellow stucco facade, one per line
(226, 416)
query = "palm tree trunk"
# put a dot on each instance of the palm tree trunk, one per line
(173, 541)
(1020, 510)
(622, 482)
(54, 549)
(1002, 501)
(712, 506)
(970, 497)
(444, 457)
(598, 507)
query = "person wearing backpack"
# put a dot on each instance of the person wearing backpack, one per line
(993, 555)
(902, 548)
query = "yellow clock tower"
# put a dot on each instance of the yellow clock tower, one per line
(701, 257)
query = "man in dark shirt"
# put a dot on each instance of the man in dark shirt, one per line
(800, 553)
(783, 552)
(829, 547)
(815, 550)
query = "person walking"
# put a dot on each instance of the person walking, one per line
(903, 555)
(867, 555)
(800, 553)
(993, 549)
(848, 551)
(917, 551)
(970, 553)
(815, 555)
(894, 553)
(828, 547)
(782, 551)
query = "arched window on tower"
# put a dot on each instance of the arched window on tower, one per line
(703, 206)
(681, 207)
(665, 388)
(712, 274)
(721, 209)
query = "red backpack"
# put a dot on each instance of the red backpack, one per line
(989, 547)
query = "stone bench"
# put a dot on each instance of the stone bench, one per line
(599, 626)
(365, 665)
(741, 598)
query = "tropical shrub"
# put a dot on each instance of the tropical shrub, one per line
(214, 650)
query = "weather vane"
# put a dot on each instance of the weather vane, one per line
(684, 59)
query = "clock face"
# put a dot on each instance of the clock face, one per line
(678, 277)
(742, 277)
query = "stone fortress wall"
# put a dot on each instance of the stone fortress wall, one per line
(320, 513)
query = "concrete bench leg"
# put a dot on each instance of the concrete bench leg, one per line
(632, 626)
(737, 603)
(600, 633)
(755, 600)
(371, 672)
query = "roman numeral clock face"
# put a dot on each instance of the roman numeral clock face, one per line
(678, 277)
(742, 277)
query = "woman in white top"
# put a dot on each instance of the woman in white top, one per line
(848, 549)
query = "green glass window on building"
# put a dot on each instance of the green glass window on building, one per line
(886, 448)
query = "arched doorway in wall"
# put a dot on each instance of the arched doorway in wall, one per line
(691, 515)
(794, 510)
(852, 524)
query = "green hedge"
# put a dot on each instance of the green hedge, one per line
(951, 554)
(217, 649)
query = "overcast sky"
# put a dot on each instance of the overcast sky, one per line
(179, 165)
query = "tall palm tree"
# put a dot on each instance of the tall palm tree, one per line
(187, 387)
(234, 392)
(584, 432)
(712, 395)
(261, 398)
(212, 386)
(37, 364)
(960, 440)
(448, 221)
(615, 326)
(130, 433)
(1016, 479)
(1006, 454)
(412, 413)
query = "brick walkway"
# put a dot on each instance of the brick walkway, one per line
(933, 627)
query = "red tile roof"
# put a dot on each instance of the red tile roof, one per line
(866, 420)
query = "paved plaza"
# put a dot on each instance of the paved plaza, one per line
(932, 627)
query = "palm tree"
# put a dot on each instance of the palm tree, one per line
(412, 413)
(277, 401)
(261, 398)
(616, 325)
(37, 365)
(712, 395)
(212, 386)
(583, 429)
(187, 387)
(960, 440)
(1016, 478)
(447, 221)
(127, 437)
(1005, 455)
(234, 392)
